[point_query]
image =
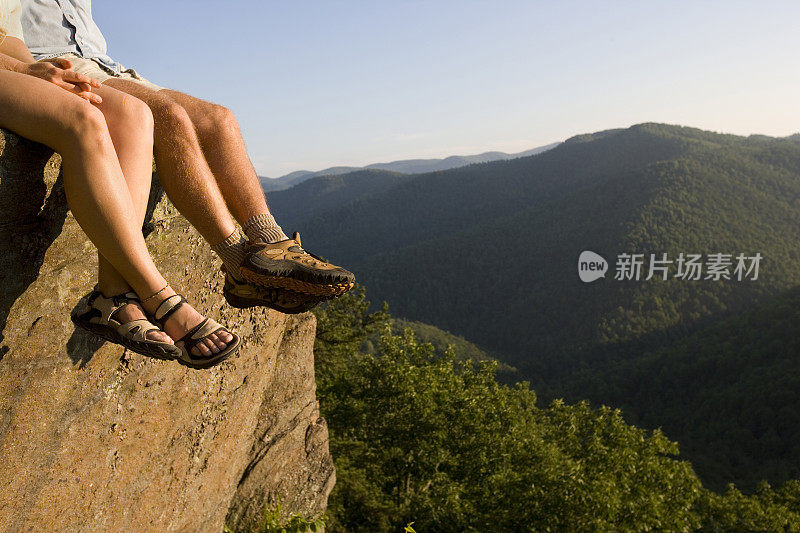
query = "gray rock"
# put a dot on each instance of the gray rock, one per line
(96, 438)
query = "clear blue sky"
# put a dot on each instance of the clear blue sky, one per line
(317, 84)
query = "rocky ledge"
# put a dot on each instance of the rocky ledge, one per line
(97, 438)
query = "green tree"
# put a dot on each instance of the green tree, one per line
(427, 437)
(438, 441)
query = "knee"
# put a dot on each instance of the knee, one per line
(215, 120)
(136, 114)
(172, 119)
(87, 125)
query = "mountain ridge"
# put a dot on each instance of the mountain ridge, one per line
(404, 166)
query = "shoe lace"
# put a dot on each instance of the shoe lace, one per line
(300, 250)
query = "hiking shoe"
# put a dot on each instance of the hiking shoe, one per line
(285, 265)
(244, 295)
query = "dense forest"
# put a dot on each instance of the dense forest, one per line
(319, 195)
(489, 252)
(730, 392)
(430, 438)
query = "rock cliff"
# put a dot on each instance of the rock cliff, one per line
(96, 438)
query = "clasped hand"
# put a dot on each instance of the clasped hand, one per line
(56, 71)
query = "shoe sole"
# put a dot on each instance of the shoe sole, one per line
(211, 362)
(240, 302)
(323, 290)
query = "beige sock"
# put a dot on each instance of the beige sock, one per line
(264, 228)
(232, 253)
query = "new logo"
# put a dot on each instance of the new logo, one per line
(591, 266)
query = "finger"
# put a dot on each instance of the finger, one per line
(59, 62)
(77, 77)
(66, 86)
(86, 95)
(71, 87)
(92, 97)
(78, 86)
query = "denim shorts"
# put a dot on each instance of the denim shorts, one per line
(98, 71)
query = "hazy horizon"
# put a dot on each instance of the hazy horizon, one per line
(355, 83)
(412, 158)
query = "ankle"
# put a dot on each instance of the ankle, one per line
(110, 289)
(264, 228)
(152, 301)
(232, 251)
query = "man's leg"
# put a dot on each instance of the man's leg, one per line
(275, 261)
(200, 195)
(224, 149)
(182, 143)
(182, 167)
(222, 144)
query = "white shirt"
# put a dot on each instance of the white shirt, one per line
(57, 27)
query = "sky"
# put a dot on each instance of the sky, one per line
(321, 84)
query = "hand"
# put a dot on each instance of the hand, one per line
(57, 71)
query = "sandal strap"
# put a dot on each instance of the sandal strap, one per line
(130, 296)
(173, 303)
(137, 329)
(199, 333)
(102, 310)
(109, 306)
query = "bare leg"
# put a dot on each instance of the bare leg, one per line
(224, 149)
(96, 190)
(130, 125)
(182, 167)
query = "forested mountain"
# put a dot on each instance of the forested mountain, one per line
(490, 252)
(406, 166)
(730, 392)
(299, 176)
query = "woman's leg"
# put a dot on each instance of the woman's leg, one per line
(130, 124)
(96, 189)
